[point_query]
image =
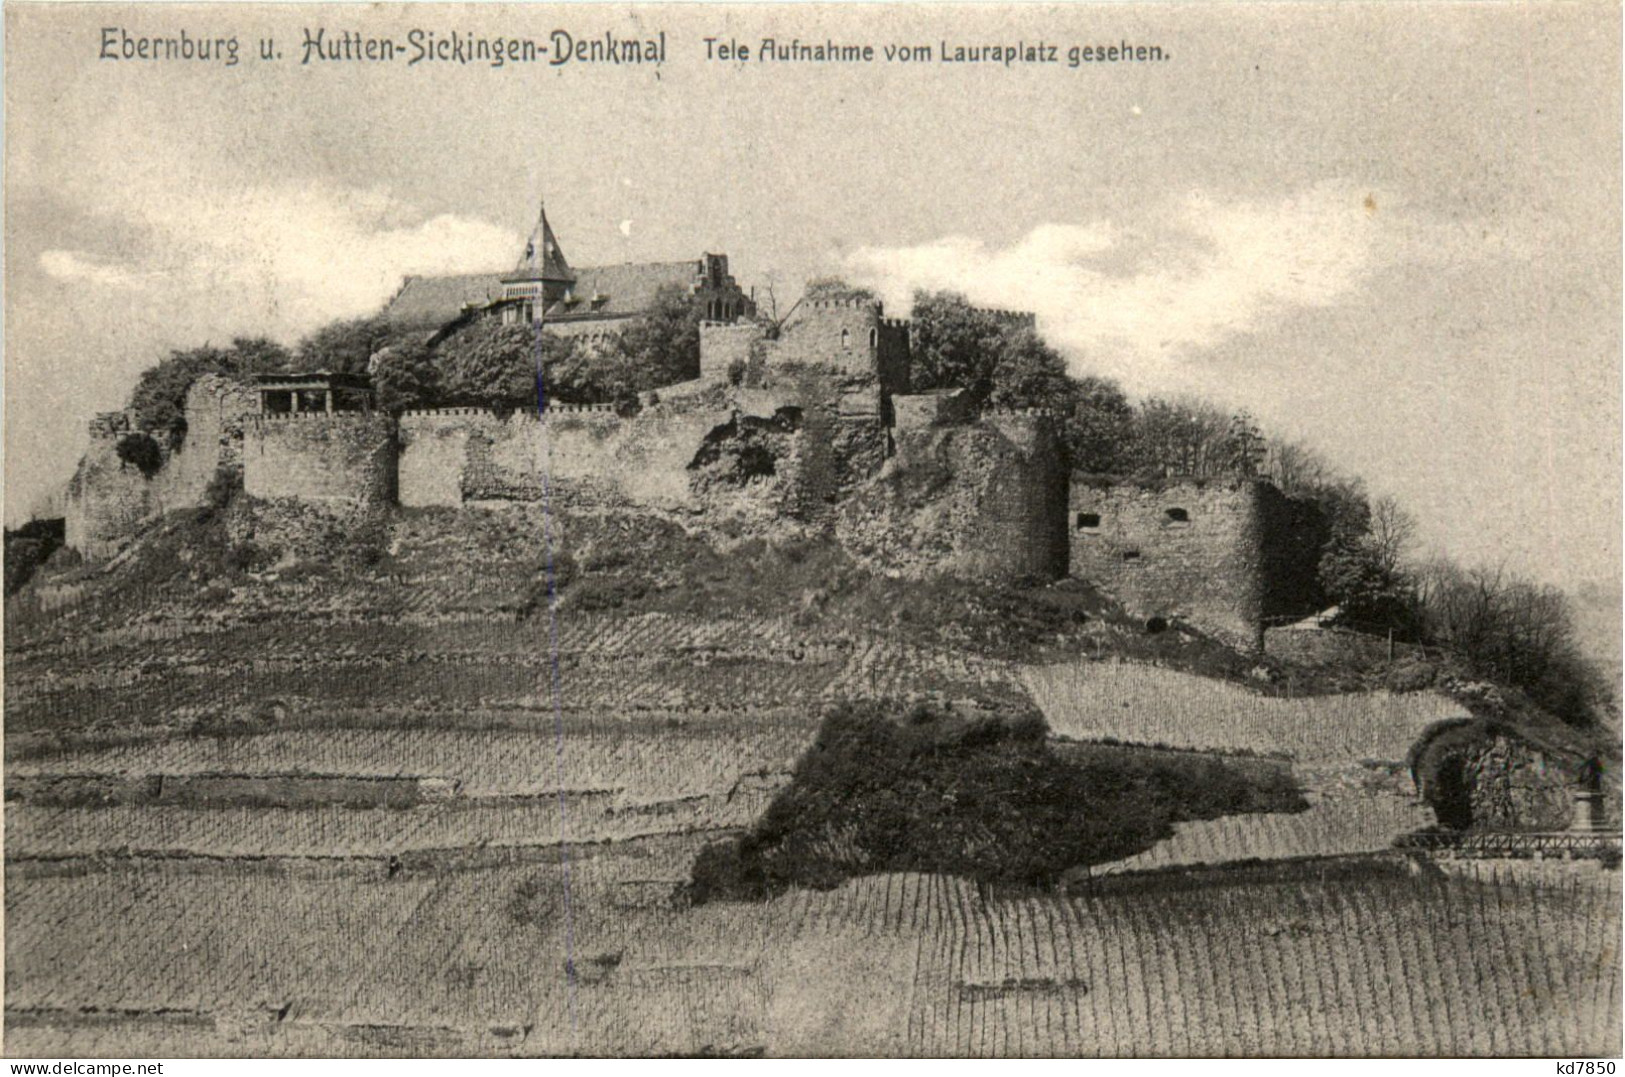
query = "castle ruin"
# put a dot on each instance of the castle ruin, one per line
(807, 424)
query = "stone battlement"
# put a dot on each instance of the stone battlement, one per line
(516, 415)
(849, 302)
(1012, 317)
(313, 416)
(430, 413)
(1038, 413)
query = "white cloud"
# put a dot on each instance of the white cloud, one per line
(1136, 300)
(81, 268)
(286, 257)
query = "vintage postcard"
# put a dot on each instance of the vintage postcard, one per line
(812, 530)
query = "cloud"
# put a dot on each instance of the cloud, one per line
(1140, 299)
(77, 267)
(285, 257)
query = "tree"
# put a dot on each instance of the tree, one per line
(344, 347)
(1099, 427)
(1514, 632)
(1187, 438)
(954, 346)
(260, 355)
(159, 397)
(1028, 373)
(597, 373)
(1297, 469)
(1245, 445)
(405, 375)
(489, 364)
(662, 347)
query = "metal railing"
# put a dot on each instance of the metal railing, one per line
(1512, 843)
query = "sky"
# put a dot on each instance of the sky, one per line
(1391, 231)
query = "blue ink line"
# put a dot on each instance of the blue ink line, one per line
(558, 695)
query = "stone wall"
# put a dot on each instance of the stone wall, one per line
(842, 334)
(218, 411)
(1502, 782)
(578, 456)
(724, 343)
(933, 409)
(109, 499)
(316, 456)
(979, 500)
(1191, 550)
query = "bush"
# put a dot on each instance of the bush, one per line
(547, 581)
(242, 556)
(979, 795)
(141, 451)
(609, 592)
(29, 547)
(222, 490)
(159, 397)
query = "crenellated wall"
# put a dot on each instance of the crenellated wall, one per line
(578, 456)
(320, 456)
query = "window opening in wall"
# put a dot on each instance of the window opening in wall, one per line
(1179, 516)
(846, 338)
(874, 338)
(1088, 521)
(1156, 626)
(1131, 555)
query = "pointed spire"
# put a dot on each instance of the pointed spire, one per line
(542, 260)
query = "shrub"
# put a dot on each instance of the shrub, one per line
(242, 556)
(933, 790)
(29, 547)
(607, 592)
(222, 490)
(141, 451)
(547, 581)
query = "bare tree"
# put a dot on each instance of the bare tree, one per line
(1392, 534)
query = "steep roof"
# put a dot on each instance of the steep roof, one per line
(543, 259)
(623, 290)
(620, 291)
(431, 302)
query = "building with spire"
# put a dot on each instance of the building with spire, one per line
(590, 301)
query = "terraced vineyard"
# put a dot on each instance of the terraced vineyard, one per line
(1147, 705)
(1296, 960)
(529, 906)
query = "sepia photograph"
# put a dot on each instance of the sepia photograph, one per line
(812, 530)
